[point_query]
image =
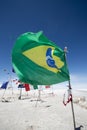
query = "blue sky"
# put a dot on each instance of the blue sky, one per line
(62, 21)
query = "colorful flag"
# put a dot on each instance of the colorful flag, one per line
(38, 61)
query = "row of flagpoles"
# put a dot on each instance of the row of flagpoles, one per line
(10, 85)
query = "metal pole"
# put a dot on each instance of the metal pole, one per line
(65, 50)
(20, 93)
(72, 107)
(3, 94)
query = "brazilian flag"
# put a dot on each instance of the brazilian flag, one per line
(38, 61)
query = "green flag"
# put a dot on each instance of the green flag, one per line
(38, 61)
(35, 86)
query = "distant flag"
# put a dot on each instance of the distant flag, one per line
(35, 86)
(20, 86)
(38, 61)
(27, 87)
(5, 70)
(4, 85)
(47, 86)
(13, 70)
(16, 81)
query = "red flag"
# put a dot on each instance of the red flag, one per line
(47, 86)
(27, 87)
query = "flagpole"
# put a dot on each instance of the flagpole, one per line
(9, 78)
(72, 107)
(39, 96)
(20, 93)
(74, 123)
(3, 94)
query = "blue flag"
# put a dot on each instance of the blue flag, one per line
(4, 85)
(20, 86)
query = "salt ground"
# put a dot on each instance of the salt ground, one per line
(47, 114)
